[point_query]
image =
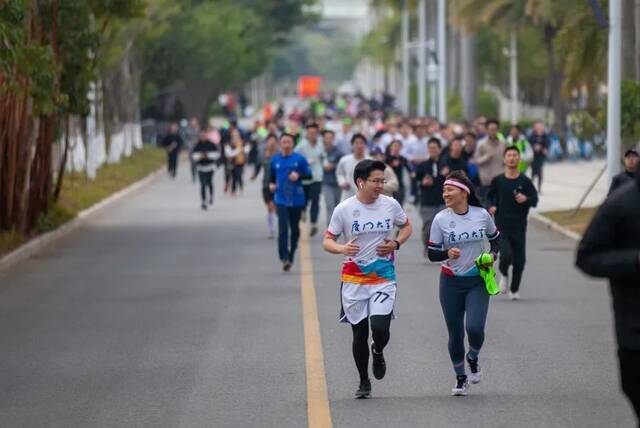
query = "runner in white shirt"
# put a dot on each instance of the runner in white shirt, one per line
(366, 221)
(459, 234)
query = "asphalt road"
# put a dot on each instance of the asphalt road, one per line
(157, 314)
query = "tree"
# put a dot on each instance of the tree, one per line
(216, 45)
(44, 76)
(548, 16)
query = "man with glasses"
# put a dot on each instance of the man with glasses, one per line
(368, 290)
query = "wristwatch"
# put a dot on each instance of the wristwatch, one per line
(397, 243)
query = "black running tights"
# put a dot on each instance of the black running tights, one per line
(379, 331)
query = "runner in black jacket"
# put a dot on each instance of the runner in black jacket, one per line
(510, 196)
(610, 248)
(205, 155)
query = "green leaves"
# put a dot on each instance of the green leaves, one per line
(217, 44)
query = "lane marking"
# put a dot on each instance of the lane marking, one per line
(318, 410)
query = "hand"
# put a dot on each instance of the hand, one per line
(350, 249)
(490, 264)
(294, 176)
(445, 171)
(345, 187)
(427, 181)
(520, 198)
(386, 248)
(492, 210)
(272, 187)
(453, 253)
(253, 178)
(329, 167)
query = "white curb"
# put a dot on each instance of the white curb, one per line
(31, 247)
(543, 221)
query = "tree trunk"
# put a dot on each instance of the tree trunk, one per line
(40, 187)
(63, 162)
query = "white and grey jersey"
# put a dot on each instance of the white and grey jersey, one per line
(470, 232)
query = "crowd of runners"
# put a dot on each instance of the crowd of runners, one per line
(473, 185)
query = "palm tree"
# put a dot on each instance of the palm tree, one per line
(548, 15)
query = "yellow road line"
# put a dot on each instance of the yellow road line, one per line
(318, 410)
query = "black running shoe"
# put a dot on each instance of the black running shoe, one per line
(314, 230)
(476, 372)
(378, 365)
(286, 266)
(364, 390)
(203, 206)
(462, 386)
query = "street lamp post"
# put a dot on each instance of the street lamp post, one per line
(513, 56)
(405, 56)
(422, 54)
(442, 61)
(613, 98)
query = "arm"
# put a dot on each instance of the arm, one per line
(598, 254)
(196, 155)
(437, 255)
(405, 164)
(304, 170)
(230, 152)
(493, 235)
(392, 181)
(257, 170)
(492, 195)
(531, 193)
(481, 157)
(272, 178)
(435, 247)
(405, 232)
(341, 173)
(495, 247)
(330, 245)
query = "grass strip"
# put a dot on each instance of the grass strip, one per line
(79, 192)
(577, 222)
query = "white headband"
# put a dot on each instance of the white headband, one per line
(458, 185)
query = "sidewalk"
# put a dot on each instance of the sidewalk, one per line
(565, 183)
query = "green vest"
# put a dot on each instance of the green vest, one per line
(521, 145)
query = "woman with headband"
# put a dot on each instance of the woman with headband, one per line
(458, 237)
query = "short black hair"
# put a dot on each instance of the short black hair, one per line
(494, 121)
(358, 135)
(435, 141)
(328, 131)
(312, 125)
(286, 134)
(471, 134)
(364, 168)
(510, 148)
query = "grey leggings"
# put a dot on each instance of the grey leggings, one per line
(460, 295)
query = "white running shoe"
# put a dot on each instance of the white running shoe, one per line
(462, 387)
(475, 375)
(504, 284)
(514, 296)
